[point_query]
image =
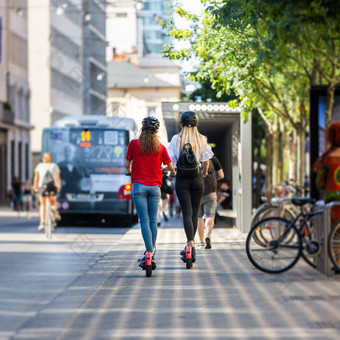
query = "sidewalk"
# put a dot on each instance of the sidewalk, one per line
(221, 297)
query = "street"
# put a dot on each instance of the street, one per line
(85, 284)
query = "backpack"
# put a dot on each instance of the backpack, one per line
(210, 181)
(187, 165)
(48, 180)
(166, 188)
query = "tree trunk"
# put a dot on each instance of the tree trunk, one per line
(302, 136)
(275, 152)
(258, 176)
(285, 155)
(330, 103)
(269, 143)
(292, 155)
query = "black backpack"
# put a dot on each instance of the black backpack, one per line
(187, 165)
(48, 180)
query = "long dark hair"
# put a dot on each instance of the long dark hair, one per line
(149, 142)
(333, 139)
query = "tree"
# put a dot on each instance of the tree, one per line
(268, 53)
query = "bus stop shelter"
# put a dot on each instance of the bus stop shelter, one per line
(230, 137)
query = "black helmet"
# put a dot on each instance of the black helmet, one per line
(189, 118)
(150, 124)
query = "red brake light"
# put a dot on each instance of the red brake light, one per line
(124, 192)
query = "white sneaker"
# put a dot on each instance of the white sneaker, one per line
(201, 245)
(57, 216)
(41, 227)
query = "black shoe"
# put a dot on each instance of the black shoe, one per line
(207, 242)
(166, 219)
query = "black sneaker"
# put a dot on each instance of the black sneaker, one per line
(207, 242)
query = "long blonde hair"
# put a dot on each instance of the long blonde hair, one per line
(149, 142)
(192, 136)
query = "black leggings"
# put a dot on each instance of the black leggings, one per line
(189, 192)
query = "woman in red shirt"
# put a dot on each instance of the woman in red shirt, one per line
(144, 158)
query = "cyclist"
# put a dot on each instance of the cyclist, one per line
(47, 183)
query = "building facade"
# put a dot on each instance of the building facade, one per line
(15, 158)
(139, 20)
(137, 90)
(66, 62)
(94, 59)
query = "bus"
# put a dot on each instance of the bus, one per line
(90, 152)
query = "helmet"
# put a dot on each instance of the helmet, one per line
(189, 118)
(150, 124)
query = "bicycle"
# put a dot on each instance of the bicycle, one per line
(275, 244)
(334, 246)
(271, 210)
(50, 221)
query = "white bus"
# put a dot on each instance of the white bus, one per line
(90, 151)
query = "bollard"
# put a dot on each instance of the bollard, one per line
(327, 229)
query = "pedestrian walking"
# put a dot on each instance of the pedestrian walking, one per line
(17, 194)
(27, 198)
(189, 190)
(166, 190)
(144, 159)
(47, 183)
(206, 215)
(328, 169)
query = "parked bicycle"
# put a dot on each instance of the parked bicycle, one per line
(334, 246)
(275, 244)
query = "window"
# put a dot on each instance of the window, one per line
(151, 110)
(26, 162)
(121, 15)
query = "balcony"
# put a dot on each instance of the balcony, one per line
(6, 116)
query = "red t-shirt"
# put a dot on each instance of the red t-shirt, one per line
(146, 169)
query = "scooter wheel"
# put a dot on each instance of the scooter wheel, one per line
(148, 271)
(189, 263)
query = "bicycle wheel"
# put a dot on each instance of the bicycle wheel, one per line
(48, 220)
(310, 247)
(334, 246)
(259, 215)
(282, 245)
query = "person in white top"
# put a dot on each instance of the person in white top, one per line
(190, 190)
(47, 183)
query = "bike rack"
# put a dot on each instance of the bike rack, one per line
(323, 228)
(277, 201)
(321, 260)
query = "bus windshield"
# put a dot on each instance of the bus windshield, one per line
(102, 150)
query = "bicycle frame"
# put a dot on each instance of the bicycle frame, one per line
(301, 226)
(49, 219)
